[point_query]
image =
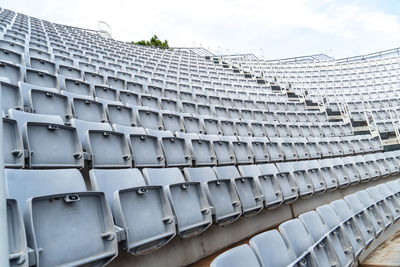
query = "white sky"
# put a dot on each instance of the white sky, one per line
(268, 28)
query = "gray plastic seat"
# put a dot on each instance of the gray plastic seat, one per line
(275, 150)
(337, 146)
(313, 148)
(211, 126)
(390, 204)
(242, 150)
(381, 163)
(121, 115)
(271, 249)
(221, 194)
(81, 220)
(17, 247)
(291, 187)
(88, 110)
(347, 227)
(176, 152)
(172, 122)
(289, 149)
(150, 101)
(10, 73)
(228, 128)
(362, 167)
(391, 162)
(52, 146)
(246, 187)
(105, 93)
(192, 124)
(135, 87)
(300, 242)
(259, 149)
(366, 213)
(40, 78)
(345, 212)
(271, 130)
(351, 170)
(243, 128)
(391, 197)
(318, 172)
(341, 174)
(129, 197)
(223, 149)
(70, 72)
(108, 149)
(129, 98)
(302, 173)
(336, 240)
(323, 145)
(267, 183)
(116, 83)
(154, 156)
(11, 97)
(13, 149)
(50, 103)
(236, 257)
(373, 168)
(147, 118)
(77, 87)
(202, 151)
(188, 200)
(379, 208)
(42, 65)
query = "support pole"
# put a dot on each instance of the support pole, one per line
(4, 253)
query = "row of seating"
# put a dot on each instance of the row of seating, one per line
(333, 235)
(50, 103)
(163, 147)
(25, 96)
(146, 206)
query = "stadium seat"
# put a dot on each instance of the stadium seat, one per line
(129, 197)
(75, 215)
(188, 200)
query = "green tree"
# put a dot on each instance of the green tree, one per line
(154, 41)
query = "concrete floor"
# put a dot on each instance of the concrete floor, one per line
(387, 254)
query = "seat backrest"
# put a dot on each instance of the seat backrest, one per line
(82, 127)
(50, 103)
(329, 216)
(88, 110)
(271, 249)
(314, 225)
(40, 78)
(163, 177)
(296, 236)
(52, 145)
(200, 174)
(109, 181)
(23, 117)
(11, 97)
(13, 149)
(108, 149)
(236, 257)
(121, 115)
(227, 172)
(24, 184)
(342, 209)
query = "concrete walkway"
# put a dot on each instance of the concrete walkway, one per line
(387, 254)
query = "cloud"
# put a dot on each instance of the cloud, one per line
(272, 28)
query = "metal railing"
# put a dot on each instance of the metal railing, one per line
(376, 55)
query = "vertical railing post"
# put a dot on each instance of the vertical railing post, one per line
(4, 258)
